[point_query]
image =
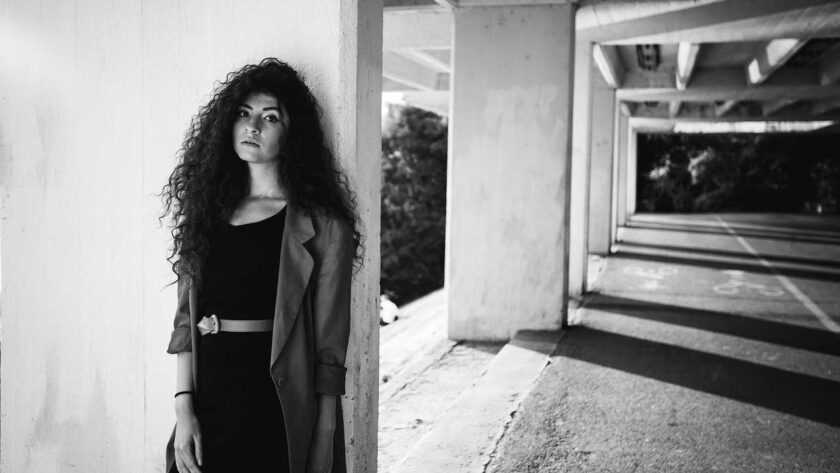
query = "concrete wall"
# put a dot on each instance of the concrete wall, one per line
(601, 166)
(94, 101)
(582, 125)
(509, 148)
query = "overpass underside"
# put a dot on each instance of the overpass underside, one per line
(545, 101)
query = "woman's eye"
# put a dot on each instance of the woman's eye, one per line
(272, 118)
(242, 113)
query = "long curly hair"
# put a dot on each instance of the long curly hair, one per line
(210, 180)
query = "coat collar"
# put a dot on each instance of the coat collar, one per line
(295, 269)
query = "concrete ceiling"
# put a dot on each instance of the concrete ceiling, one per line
(739, 59)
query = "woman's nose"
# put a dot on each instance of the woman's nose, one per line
(252, 126)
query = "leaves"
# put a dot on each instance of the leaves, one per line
(413, 203)
(731, 172)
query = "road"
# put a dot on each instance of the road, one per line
(709, 343)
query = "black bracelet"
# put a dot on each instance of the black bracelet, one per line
(183, 392)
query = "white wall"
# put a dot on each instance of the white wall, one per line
(509, 148)
(94, 101)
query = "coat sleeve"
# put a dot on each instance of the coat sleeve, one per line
(181, 339)
(331, 311)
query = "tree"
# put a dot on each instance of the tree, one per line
(413, 203)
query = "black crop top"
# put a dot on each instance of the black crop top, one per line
(241, 269)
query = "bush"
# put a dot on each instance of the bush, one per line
(413, 203)
(737, 173)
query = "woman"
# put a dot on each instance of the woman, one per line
(265, 231)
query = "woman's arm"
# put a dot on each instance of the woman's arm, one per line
(187, 445)
(321, 450)
(184, 379)
(331, 316)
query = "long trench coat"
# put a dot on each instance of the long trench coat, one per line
(310, 333)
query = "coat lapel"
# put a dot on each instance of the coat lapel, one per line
(296, 266)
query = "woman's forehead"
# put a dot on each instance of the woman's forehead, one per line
(261, 100)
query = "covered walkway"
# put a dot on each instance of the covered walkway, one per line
(708, 343)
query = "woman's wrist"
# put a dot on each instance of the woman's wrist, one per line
(184, 404)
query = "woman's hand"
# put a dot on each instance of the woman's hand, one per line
(321, 449)
(188, 452)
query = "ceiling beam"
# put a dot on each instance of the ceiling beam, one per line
(425, 58)
(508, 3)
(773, 106)
(686, 59)
(792, 115)
(718, 77)
(448, 4)
(705, 93)
(772, 56)
(608, 60)
(396, 5)
(422, 29)
(405, 71)
(724, 108)
(674, 108)
(733, 20)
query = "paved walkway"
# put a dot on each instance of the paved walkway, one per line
(709, 343)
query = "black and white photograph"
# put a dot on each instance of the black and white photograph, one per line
(420, 236)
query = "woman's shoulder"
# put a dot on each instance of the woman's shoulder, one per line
(330, 227)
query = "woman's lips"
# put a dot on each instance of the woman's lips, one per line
(250, 143)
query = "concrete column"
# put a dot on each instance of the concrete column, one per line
(509, 165)
(581, 138)
(620, 183)
(631, 171)
(94, 101)
(601, 166)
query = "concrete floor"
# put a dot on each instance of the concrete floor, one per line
(709, 343)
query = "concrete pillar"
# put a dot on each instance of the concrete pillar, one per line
(631, 171)
(581, 138)
(508, 190)
(601, 166)
(94, 101)
(620, 183)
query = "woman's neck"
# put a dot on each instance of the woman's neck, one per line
(263, 180)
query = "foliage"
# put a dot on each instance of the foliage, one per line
(732, 172)
(413, 203)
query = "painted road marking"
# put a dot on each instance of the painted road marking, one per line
(651, 273)
(787, 283)
(652, 276)
(738, 281)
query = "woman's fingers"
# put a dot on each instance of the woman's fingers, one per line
(187, 462)
(199, 451)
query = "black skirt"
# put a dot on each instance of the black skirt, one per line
(238, 409)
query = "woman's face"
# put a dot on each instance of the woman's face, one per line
(260, 128)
